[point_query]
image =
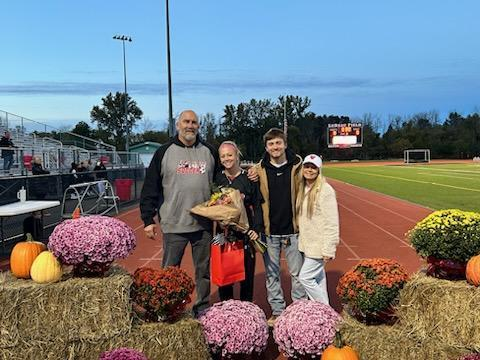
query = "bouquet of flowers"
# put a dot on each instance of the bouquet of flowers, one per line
(235, 327)
(123, 354)
(91, 242)
(371, 288)
(226, 206)
(305, 328)
(161, 294)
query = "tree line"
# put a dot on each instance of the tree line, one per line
(457, 136)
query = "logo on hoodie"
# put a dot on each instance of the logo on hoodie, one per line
(192, 167)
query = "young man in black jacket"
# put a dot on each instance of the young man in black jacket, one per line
(178, 178)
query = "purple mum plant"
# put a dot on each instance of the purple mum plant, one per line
(91, 239)
(235, 327)
(305, 328)
(123, 354)
(475, 356)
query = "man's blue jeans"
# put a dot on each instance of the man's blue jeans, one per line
(7, 161)
(289, 244)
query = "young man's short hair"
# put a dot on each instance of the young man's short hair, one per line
(274, 133)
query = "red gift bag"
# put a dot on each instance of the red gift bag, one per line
(226, 263)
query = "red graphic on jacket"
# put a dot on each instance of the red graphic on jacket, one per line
(192, 167)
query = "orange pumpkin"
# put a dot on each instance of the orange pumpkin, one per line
(23, 255)
(339, 351)
(472, 271)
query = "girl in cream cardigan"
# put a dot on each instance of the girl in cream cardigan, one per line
(317, 215)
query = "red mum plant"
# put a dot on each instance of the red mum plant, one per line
(161, 295)
(372, 287)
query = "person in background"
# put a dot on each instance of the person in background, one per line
(73, 171)
(33, 225)
(317, 214)
(279, 172)
(177, 179)
(7, 154)
(100, 174)
(233, 176)
(40, 185)
(37, 167)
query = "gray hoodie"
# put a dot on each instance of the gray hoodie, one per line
(177, 179)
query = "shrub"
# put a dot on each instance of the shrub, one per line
(163, 293)
(447, 234)
(235, 327)
(123, 354)
(91, 240)
(305, 328)
(372, 285)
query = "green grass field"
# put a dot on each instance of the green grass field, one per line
(432, 185)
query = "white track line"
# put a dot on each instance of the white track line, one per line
(155, 257)
(379, 206)
(375, 225)
(350, 249)
(410, 180)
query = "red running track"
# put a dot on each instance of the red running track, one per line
(371, 225)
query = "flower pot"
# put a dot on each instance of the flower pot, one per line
(446, 269)
(94, 269)
(382, 317)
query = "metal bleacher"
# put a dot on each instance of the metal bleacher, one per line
(31, 138)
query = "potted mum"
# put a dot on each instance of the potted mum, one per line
(91, 243)
(161, 295)
(473, 356)
(123, 354)
(305, 329)
(370, 290)
(447, 239)
(235, 329)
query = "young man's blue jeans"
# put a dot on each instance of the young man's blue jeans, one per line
(289, 244)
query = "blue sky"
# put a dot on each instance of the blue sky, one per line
(58, 58)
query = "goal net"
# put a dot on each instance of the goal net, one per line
(416, 155)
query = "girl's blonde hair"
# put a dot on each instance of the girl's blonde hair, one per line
(232, 144)
(312, 194)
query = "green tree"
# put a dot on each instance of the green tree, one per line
(110, 116)
(82, 128)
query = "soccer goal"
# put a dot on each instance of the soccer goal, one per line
(416, 155)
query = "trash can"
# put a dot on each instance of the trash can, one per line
(123, 189)
(27, 161)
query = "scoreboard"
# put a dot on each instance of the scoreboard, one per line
(345, 135)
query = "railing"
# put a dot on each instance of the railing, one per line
(19, 125)
(52, 187)
(59, 159)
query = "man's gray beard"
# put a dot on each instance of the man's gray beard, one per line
(190, 137)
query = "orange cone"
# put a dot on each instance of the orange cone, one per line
(76, 213)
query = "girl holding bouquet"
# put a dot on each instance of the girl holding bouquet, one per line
(235, 177)
(317, 215)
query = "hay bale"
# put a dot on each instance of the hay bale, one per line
(35, 350)
(72, 309)
(181, 340)
(446, 311)
(383, 342)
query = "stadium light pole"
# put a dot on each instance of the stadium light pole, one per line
(124, 38)
(171, 126)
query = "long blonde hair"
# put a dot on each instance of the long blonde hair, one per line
(312, 194)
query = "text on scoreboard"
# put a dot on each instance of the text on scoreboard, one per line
(345, 135)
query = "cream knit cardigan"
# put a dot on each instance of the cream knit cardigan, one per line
(319, 236)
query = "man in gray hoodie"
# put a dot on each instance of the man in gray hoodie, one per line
(178, 178)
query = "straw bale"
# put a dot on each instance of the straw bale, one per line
(72, 309)
(181, 340)
(446, 311)
(383, 342)
(35, 350)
